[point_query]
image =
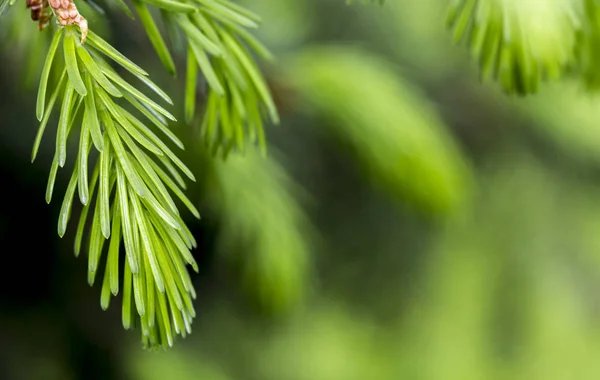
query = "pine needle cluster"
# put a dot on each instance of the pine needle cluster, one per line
(128, 196)
(524, 43)
(127, 179)
(220, 47)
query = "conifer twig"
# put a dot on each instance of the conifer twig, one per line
(128, 196)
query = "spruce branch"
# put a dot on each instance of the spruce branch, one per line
(520, 43)
(130, 189)
(219, 47)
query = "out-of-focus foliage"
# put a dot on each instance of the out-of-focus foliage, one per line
(25, 44)
(517, 42)
(5, 6)
(263, 229)
(337, 346)
(568, 118)
(503, 301)
(522, 43)
(492, 303)
(180, 366)
(395, 135)
(506, 288)
(290, 21)
(366, 1)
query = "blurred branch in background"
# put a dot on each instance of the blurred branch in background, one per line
(394, 135)
(263, 230)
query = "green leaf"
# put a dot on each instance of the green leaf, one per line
(170, 235)
(130, 246)
(103, 46)
(172, 30)
(210, 118)
(255, 76)
(197, 36)
(130, 173)
(150, 292)
(117, 114)
(96, 73)
(155, 36)
(155, 117)
(112, 262)
(173, 6)
(85, 211)
(171, 286)
(253, 42)
(160, 195)
(137, 94)
(143, 79)
(168, 249)
(154, 87)
(51, 179)
(126, 311)
(157, 189)
(164, 319)
(65, 210)
(41, 97)
(162, 125)
(90, 116)
(200, 20)
(175, 189)
(163, 147)
(174, 282)
(191, 81)
(224, 13)
(226, 127)
(96, 243)
(207, 69)
(238, 102)
(63, 123)
(145, 237)
(173, 172)
(47, 113)
(104, 191)
(139, 280)
(105, 294)
(71, 64)
(82, 167)
(240, 10)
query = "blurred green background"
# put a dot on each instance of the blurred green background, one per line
(408, 222)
